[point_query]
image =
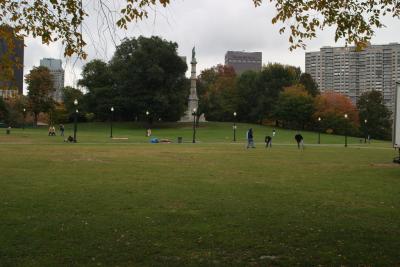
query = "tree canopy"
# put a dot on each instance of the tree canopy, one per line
(40, 88)
(218, 93)
(145, 74)
(295, 107)
(331, 107)
(374, 115)
(259, 91)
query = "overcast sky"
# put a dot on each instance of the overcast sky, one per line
(213, 26)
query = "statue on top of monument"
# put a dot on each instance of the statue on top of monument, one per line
(194, 54)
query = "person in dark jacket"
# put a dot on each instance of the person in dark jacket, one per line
(299, 140)
(250, 140)
(268, 141)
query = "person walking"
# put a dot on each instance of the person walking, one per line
(62, 129)
(250, 140)
(268, 141)
(300, 141)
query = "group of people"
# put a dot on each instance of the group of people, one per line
(268, 139)
(52, 130)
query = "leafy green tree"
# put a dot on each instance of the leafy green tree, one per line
(309, 84)
(40, 88)
(295, 107)
(148, 75)
(219, 98)
(375, 118)
(259, 91)
(101, 94)
(95, 74)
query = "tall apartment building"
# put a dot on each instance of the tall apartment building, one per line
(55, 67)
(351, 72)
(12, 87)
(243, 61)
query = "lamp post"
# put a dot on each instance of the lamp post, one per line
(319, 130)
(194, 125)
(148, 122)
(366, 131)
(345, 131)
(23, 124)
(75, 119)
(111, 122)
(234, 126)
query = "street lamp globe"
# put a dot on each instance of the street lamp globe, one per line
(365, 121)
(234, 113)
(345, 116)
(112, 109)
(194, 110)
(147, 113)
(319, 118)
(76, 102)
(24, 109)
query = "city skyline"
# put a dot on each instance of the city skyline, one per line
(202, 24)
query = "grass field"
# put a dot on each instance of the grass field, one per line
(105, 202)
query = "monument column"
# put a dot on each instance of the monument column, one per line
(193, 100)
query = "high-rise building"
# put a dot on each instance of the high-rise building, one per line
(56, 70)
(13, 86)
(243, 61)
(351, 72)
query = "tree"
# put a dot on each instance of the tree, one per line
(331, 108)
(218, 99)
(69, 96)
(15, 107)
(249, 94)
(4, 114)
(355, 20)
(95, 74)
(309, 84)
(101, 94)
(149, 75)
(40, 87)
(258, 92)
(54, 20)
(295, 107)
(372, 108)
(205, 81)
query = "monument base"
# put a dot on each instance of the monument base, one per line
(188, 117)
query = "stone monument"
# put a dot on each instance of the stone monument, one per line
(193, 100)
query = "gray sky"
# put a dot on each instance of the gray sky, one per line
(213, 26)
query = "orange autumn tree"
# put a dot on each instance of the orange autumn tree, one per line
(331, 107)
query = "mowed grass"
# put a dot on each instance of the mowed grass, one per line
(214, 203)
(210, 132)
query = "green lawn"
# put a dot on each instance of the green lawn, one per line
(105, 202)
(209, 132)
